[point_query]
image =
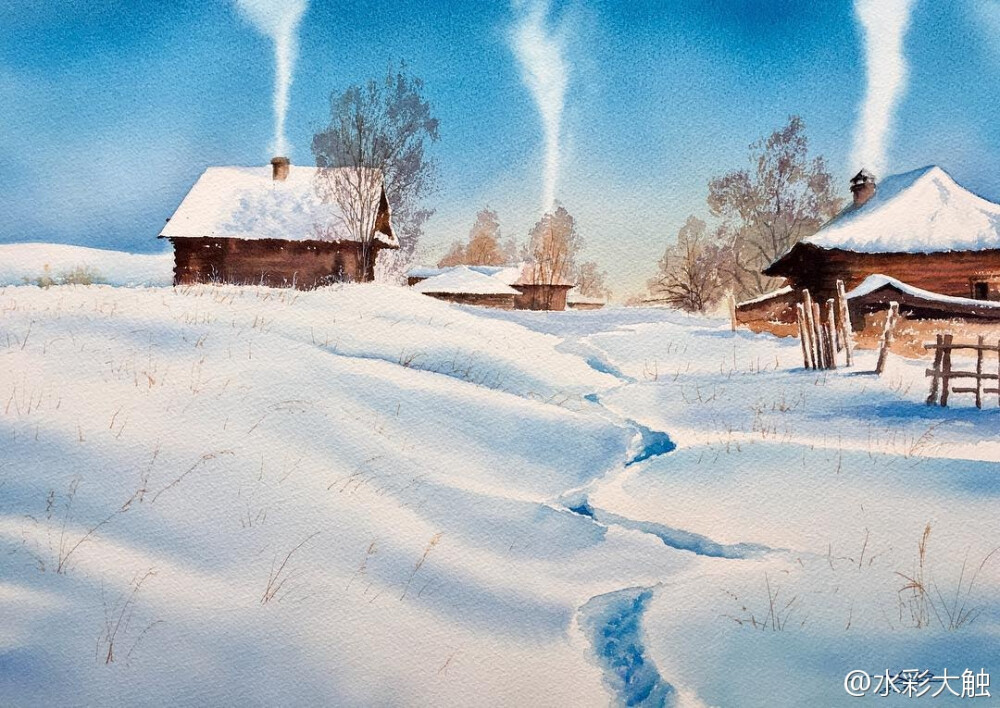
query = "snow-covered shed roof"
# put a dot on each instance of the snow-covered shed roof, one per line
(248, 203)
(878, 281)
(923, 211)
(575, 296)
(780, 292)
(521, 274)
(463, 280)
(430, 271)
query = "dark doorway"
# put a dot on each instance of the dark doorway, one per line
(981, 291)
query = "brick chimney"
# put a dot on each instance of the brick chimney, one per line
(279, 168)
(862, 187)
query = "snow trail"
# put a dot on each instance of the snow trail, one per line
(612, 623)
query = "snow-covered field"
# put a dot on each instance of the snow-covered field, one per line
(365, 496)
(22, 263)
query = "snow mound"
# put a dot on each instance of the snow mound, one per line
(22, 263)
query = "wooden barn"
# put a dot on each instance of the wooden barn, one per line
(466, 286)
(919, 229)
(273, 226)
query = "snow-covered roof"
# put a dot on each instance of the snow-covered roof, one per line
(923, 211)
(463, 280)
(521, 274)
(247, 203)
(767, 296)
(430, 271)
(877, 281)
(575, 297)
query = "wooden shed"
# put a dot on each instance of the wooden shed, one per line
(534, 295)
(876, 292)
(920, 228)
(530, 295)
(278, 226)
(466, 286)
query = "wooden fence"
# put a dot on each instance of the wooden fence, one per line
(942, 373)
(823, 340)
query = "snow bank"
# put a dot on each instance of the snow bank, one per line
(217, 495)
(361, 495)
(27, 262)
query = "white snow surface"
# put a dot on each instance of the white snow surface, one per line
(922, 211)
(247, 203)
(462, 280)
(359, 495)
(26, 262)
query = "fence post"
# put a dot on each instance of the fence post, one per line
(818, 329)
(810, 332)
(800, 319)
(831, 328)
(979, 371)
(946, 370)
(846, 333)
(936, 378)
(883, 351)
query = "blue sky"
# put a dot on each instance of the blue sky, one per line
(111, 109)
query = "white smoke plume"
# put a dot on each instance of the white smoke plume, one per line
(540, 50)
(883, 24)
(279, 20)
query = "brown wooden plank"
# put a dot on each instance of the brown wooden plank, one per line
(831, 334)
(818, 329)
(979, 373)
(959, 375)
(810, 329)
(970, 347)
(800, 317)
(935, 372)
(846, 333)
(946, 369)
(883, 352)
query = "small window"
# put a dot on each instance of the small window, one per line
(981, 291)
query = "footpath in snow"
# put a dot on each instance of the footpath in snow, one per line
(363, 495)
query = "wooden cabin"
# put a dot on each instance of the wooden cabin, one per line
(276, 226)
(920, 229)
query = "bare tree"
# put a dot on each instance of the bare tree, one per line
(553, 247)
(781, 199)
(484, 240)
(378, 133)
(483, 247)
(591, 281)
(455, 256)
(690, 275)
